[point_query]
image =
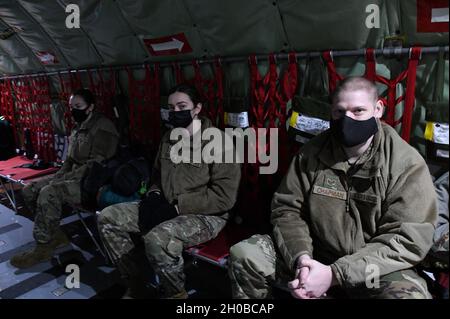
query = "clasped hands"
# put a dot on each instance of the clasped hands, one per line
(312, 279)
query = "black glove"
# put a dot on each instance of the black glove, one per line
(154, 210)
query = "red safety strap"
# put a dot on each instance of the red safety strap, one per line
(68, 86)
(219, 75)
(263, 91)
(410, 93)
(333, 76)
(24, 106)
(211, 91)
(145, 107)
(264, 98)
(179, 77)
(40, 89)
(104, 90)
(135, 111)
(371, 72)
(392, 100)
(289, 85)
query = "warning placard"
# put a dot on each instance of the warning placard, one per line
(432, 15)
(169, 45)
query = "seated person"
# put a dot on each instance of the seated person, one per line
(187, 205)
(94, 138)
(438, 257)
(356, 211)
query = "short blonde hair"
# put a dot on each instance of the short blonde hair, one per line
(355, 83)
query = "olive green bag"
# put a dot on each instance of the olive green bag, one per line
(311, 108)
(437, 118)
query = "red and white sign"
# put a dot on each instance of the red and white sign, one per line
(432, 15)
(170, 45)
(46, 58)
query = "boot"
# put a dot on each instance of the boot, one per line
(133, 278)
(180, 295)
(40, 253)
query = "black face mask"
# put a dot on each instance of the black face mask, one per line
(351, 132)
(180, 118)
(79, 115)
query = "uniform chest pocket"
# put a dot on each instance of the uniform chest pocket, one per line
(367, 202)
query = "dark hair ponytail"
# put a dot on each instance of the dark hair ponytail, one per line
(189, 90)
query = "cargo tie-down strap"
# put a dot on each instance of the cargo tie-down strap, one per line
(33, 102)
(269, 96)
(104, 91)
(145, 107)
(211, 90)
(392, 100)
(67, 87)
(24, 109)
(40, 89)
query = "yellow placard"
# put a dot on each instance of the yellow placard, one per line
(293, 121)
(429, 131)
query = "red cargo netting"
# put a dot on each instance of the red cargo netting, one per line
(145, 108)
(104, 91)
(211, 90)
(24, 109)
(392, 100)
(42, 117)
(68, 84)
(7, 105)
(33, 102)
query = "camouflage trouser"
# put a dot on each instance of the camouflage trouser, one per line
(164, 244)
(45, 199)
(255, 267)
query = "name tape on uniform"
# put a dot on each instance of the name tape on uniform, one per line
(329, 192)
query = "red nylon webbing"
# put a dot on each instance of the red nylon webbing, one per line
(211, 92)
(7, 106)
(104, 91)
(392, 100)
(289, 85)
(68, 86)
(333, 76)
(410, 93)
(145, 107)
(40, 89)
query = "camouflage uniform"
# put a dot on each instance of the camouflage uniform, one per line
(203, 193)
(164, 244)
(94, 140)
(255, 267)
(380, 212)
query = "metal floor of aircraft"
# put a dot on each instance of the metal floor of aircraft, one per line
(47, 280)
(97, 280)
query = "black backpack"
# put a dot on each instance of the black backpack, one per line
(131, 177)
(126, 173)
